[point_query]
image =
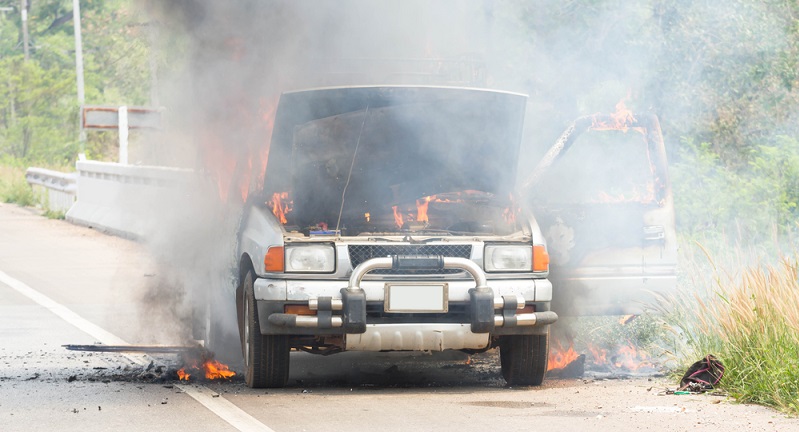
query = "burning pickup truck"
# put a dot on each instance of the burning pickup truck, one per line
(390, 220)
(387, 222)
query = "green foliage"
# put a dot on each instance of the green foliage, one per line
(38, 98)
(610, 332)
(726, 73)
(53, 214)
(14, 188)
(757, 202)
(38, 110)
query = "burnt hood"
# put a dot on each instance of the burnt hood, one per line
(374, 147)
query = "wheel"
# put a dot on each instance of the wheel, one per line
(266, 357)
(523, 359)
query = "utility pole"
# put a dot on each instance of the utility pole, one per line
(25, 37)
(79, 68)
(78, 50)
(154, 45)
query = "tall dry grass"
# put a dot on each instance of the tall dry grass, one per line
(748, 316)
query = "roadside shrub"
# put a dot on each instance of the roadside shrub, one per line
(758, 202)
(748, 316)
(14, 188)
(54, 214)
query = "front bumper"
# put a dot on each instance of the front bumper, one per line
(475, 310)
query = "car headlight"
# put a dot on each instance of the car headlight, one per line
(310, 258)
(503, 257)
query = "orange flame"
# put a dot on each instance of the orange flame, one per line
(397, 217)
(423, 204)
(622, 119)
(599, 356)
(238, 171)
(630, 358)
(182, 375)
(216, 370)
(200, 361)
(559, 357)
(626, 357)
(281, 206)
(421, 208)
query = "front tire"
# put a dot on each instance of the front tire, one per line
(266, 357)
(524, 359)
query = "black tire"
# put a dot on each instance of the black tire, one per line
(523, 359)
(266, 357)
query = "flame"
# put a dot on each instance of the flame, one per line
(559, 357)
(205, 364)
(622, 119)
(626, 357)
(626, 319)
(599, 356)
(238, 170)
(367, 216)
(401, 215)
(281, 206)
(421, 208)
(215, 370)
(397, 217)
(182, 375)
(630, 358)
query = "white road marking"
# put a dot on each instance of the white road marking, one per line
(218, 405)
(67, 315)
(224, 408)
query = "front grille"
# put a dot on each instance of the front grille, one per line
(361, 253)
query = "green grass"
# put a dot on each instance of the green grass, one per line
(14, 188)
(54, 214)
(747, 314)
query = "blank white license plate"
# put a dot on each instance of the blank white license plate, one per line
(409, 298)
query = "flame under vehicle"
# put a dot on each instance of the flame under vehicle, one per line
(390, 220)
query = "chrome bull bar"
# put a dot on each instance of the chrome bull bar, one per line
(485, 310)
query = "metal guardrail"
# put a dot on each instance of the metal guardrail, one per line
(61, 187)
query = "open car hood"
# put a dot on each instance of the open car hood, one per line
(361, 149)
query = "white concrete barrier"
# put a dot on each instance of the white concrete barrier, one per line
(125, 200)
(60, 187)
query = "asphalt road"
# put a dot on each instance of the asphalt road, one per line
(62, 284)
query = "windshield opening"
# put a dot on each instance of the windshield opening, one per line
(602, 167)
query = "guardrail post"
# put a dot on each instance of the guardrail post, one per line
(123, 135)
